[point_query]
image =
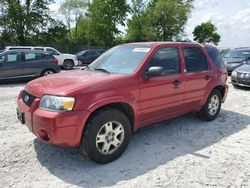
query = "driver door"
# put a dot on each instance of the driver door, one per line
(12, 66)
(162, 96)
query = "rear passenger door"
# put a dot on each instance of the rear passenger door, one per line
(12, 66)
(31, 63)
(198, 75)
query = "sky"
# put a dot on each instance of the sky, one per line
(231, 17)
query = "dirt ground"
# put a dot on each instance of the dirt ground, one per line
(182, 152)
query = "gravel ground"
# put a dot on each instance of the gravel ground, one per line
(182, 152)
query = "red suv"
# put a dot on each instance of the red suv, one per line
(128, 87)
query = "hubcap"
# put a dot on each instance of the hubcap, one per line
(68, 65)
(109, 137)
(48, 73)
(213, 105)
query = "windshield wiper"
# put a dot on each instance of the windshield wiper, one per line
(102, 70)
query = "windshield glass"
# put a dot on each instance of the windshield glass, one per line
(81, 53)
(121, 59)
(237, 54)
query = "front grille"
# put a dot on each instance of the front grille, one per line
(28, 99)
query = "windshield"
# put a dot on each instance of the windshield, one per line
(81, 53)
(237, 54)
(121, 59)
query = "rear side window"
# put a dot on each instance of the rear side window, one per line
(215, 56)
(40, 49)
(168, 58)
(30, 56)
(195, 59)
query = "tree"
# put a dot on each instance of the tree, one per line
(139, 28)
(162, 20)
(22, 19)
(169, 17)
(73, 11)
(206, 33)
(104, 17)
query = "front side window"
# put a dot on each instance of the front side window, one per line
(168, 58)
(122, 59)
(13, 57)
(53, 51)
(195, 59)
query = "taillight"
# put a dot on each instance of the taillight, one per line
(55, 60)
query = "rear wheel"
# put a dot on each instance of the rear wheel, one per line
(212, 107)
(106, 135)
(47, 72)
(68, 64)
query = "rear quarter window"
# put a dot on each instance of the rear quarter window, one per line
(216, 57)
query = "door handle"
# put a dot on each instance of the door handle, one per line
(176, 82)
(207, 77)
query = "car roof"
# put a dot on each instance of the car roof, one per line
(26, 50)
(242, 49)
(156, 43)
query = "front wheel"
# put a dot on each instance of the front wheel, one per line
(212, 107)
(106, 136)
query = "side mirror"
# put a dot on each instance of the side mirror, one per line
(154, 72)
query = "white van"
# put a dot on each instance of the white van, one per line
(68, 61)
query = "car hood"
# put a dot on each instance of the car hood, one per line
(63, 84)
(233, 60)
(243, 68)
(70, 55)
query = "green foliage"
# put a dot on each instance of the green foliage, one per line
(206, 33)
(104, 17)
(91, 23)
(73, 11)
(22, 19)
(139, 28)
(162, 20)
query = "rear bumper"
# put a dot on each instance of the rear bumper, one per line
(64, 128)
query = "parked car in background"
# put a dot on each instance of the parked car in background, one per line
(88, 56)
(241, 75)
(236, 57)
(17, 64)
(67, 61)
(128, 87)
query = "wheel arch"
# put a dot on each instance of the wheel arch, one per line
(221, 88)
(124, 107)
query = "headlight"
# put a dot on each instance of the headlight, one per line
(55, 103)
(234, 74)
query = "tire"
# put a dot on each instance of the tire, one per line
(106, 135)
(68, 65)
(47, 72)
(212, 106)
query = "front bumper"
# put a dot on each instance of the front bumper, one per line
(59, 128)
(240, 80)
